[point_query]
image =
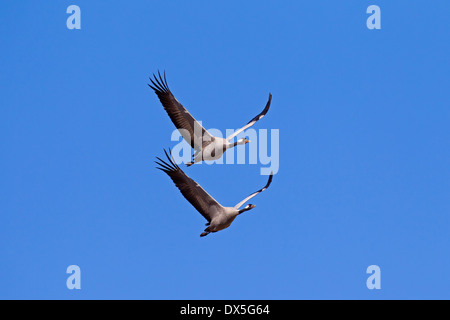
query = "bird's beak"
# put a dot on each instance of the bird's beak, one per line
(252, 206)
(248, 141)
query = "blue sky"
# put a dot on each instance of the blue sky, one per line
(364, 175)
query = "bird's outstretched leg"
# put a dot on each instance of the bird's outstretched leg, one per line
(207, 231)
(198, 156)
(192, 161)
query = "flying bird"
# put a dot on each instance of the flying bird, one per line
(218, 216)
(206, 146)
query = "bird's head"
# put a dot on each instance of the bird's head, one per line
(246, 208)
(243, 141)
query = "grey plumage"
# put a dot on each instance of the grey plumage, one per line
(207, 147)
(218, 217)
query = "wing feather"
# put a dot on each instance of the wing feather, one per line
(255, 193)
(253, 121)
(191, 130)
(190, 189)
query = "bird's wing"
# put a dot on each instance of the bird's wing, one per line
(191, 130)
(254, 193)
(190, 189)
(253, 121)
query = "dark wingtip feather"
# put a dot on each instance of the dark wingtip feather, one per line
(162, 82)
(168, 156)
(159, 85)
(155, 86)
(169, 166)
(165, 80)
(263, 113)
(268, 182)
(173, 160)
(267, 105)
(163, 165)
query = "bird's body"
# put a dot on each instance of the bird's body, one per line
(206, 146)
(218, 216)
(223, 217)
(212, 150)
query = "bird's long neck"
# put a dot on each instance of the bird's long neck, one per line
(234, 144)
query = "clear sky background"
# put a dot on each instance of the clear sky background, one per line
(364, 149)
